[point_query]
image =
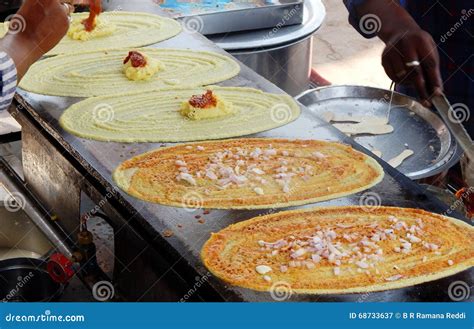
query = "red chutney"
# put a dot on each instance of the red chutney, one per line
(137, 59)
(204, 101)
(95, 10)
(467, 197)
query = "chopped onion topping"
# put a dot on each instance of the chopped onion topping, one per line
(318, 155)
(362, 264)
(394, 277)
(267, 278)
(186, 177)
(263, 269)
(258, 190)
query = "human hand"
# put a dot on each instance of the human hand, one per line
(46, 22)
(41, 25)
(411, 57)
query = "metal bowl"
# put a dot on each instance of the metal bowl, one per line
(282, 55)
(19, 236)
(414, 125)
(26, 280)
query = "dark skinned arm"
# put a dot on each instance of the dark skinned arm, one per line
(42, 24)
(405, 42)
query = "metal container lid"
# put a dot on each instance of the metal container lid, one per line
(313, 16)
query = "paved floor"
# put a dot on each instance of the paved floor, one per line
(342, 56)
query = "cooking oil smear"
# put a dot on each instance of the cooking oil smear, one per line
(7, 253)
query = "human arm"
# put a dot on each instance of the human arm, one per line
(405, 42)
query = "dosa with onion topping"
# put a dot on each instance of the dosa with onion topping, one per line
(340, 250)
(248, 173)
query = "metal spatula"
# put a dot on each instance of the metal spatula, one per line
(444, 108)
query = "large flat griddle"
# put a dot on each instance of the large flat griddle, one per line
(97, 161)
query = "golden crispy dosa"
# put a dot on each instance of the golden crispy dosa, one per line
(248, 173)
(340, 250)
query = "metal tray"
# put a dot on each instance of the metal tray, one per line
(414, 125)
(223, 16)
(313, 16)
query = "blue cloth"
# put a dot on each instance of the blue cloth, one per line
(451, 24)
(8, 80)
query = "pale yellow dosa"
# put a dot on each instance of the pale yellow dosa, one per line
(248, 173)
(101, 72)
(155, 116)
(300, 251)
(133, 29)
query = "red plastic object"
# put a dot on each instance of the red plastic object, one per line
(60, 268)
(318, 80)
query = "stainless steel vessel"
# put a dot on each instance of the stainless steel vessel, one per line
(283, 55)
(19, 236)
(27, 280)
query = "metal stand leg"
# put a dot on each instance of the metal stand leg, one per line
(54, 181)
(140, 272)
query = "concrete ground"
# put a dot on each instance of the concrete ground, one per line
(342, 56)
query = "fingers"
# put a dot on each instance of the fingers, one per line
(420, 85)
(68, 6)
(415, 75)
(394, 66)
(410, 49)
(430, 66)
